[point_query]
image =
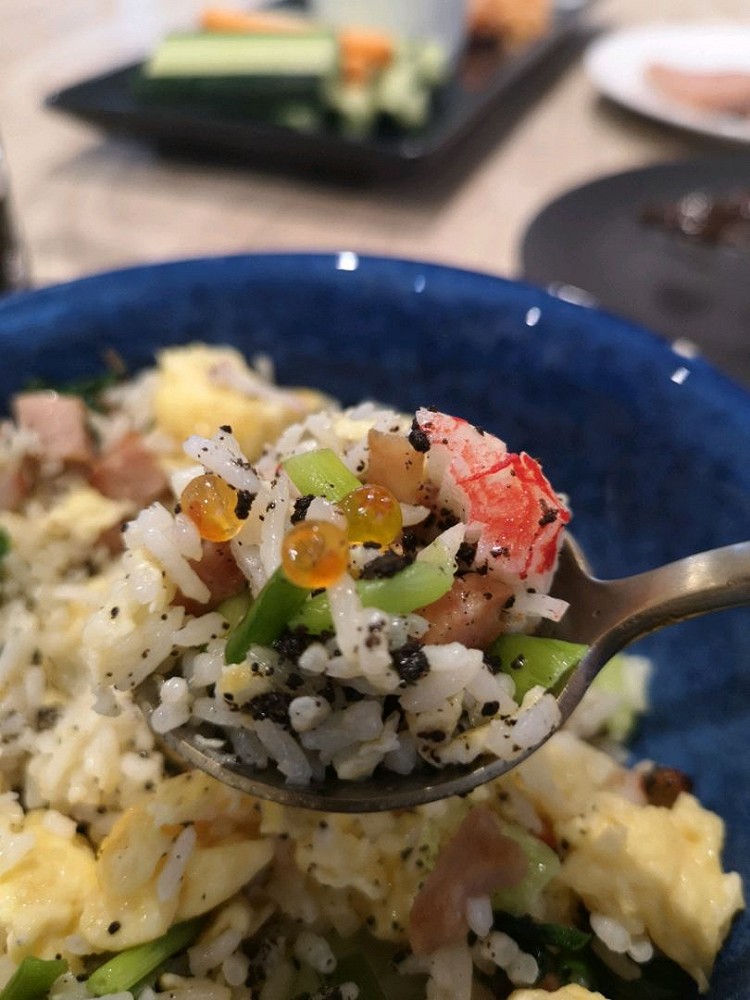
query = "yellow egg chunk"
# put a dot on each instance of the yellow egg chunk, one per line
(206, 831)
(570, 992)
(199, 387)
(656, 870)
(43, 893)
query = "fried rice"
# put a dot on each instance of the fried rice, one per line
(572, 869)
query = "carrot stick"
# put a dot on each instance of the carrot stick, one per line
(221, 19)
(363, 53)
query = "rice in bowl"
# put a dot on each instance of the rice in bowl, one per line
(274, 902)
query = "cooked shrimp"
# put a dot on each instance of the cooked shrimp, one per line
(509, 506)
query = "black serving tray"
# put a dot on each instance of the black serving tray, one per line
(593, 239)
(488, 82)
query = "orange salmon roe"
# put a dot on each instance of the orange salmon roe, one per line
(314, 554)
(210, 504)
(373, 514)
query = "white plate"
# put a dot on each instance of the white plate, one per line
(617, 64)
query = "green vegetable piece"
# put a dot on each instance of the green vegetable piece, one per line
(577, 969)
(322, 474)
(532, 660)
(259, 57)
(416, 586)
(565, 938)
(89, 389)
(542, 866)
(133, 965)
(625, 678)
(275, 605)
(4, 543)
(234, 608)
(33, 978)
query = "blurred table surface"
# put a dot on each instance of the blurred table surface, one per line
(89, 203)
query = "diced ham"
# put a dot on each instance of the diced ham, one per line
(479, 859)
(394, 464)
(16, 481)
(59, 423)
(221, 574)
(470, 613)
(129, 471)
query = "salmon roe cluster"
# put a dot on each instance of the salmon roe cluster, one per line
(313, 553)
(211, 504)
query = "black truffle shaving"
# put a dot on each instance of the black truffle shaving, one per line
(410, 662)
(417, 438)
(273, 705)
(385, 566)
(301, 505)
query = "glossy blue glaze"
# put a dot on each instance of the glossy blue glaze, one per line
(653, 449)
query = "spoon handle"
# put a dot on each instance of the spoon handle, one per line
(620, 611)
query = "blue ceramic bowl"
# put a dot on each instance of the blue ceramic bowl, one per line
(653, 449)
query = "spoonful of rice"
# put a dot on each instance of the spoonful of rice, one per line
(428, 627)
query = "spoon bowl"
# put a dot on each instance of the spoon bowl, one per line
(606, 615)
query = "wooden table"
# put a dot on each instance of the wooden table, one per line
(89, 203)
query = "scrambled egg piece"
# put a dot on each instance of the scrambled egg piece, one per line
(571, 992)
(177, 854)
(657, 870)
(42, 893)
(180, 852)
(199, 386)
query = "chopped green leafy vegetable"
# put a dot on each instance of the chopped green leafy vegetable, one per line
(531, 660)
(33, 978)
(89, 389)
(566, 955)
(130, 967)
(322, 474)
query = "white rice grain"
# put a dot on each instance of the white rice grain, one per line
(174, 709)
(171, 875)
(222, 455)
(200, 631)
(479, 915)
(452, 668)
(286, 751)
(315, 951)
(356, 723)
(171, 544)
(307, 712)
(213, 953)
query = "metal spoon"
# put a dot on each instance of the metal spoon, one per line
(605, 614)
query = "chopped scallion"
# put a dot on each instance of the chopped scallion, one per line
(33, 978)
(322, 474)
(130, 967)
(532, 660)
(266, 618)
(416, 586)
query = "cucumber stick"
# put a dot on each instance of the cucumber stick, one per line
(209, 54)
